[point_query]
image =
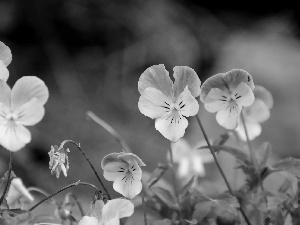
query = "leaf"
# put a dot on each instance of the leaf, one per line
(222, 139)
(224, 200)
(158, 173)
(163, 222)
(276, 216)
(263, 154)
(4, 178)
(187, 187)
(233, 151)
(290, 165)
(166, 197)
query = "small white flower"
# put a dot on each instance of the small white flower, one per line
(167, 102)
(59, 161)
(108, 214)
(18, 195)
(226, 94)
(21, 106)
(124, 169)
(256, 114)
(5, 60)
(190, 160)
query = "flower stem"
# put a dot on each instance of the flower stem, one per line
(144, 206)
(220, 169)
(8, 177)
(78, 205)
(64, 188)
(89, 162)
(174, 181)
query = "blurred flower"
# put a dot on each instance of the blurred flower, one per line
(226, 94)
(190, 160)
(124, 169)
(58, 159)
(18, 196)
(255, 114)
(167, 102)
(19, 107)
(5, 60)
(108, 214)
(63, 210)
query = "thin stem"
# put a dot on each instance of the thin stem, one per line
(64, 188)
(109, 129)
(8, 177)
(90, 163)
(174, 181)
(78, 205)
(144, 206)
(220, 169)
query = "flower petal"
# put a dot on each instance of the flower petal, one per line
(186, 76)
(4, 73)
(243, 95)
(96, 210)
(14, 136)
(115, 170)
(87, 220)
(30, 113)
(187, 104)
(264, 95)
(258, 112)
(5, 54)
(216, 100)
(253, 129)
(5, 93)
(156, 77)
(198, 166)
(180, 149)
(183, 167)
(117, 207)
(226, 82)
(153, 103)
(131, 158)
(172, 126)
(229, 118)
(128, 186)
(26, 88)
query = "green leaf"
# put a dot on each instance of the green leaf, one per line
(158, 173)
(233, 151)
(166, 197)
(222, 139)
(263, 154)
(187, 187)
(290, 165)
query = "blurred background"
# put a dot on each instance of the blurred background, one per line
(91, 54)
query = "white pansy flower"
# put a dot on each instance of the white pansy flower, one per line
(167, 102)
(226, 94)
(190, 160)
(124, 170)
(256, 114)
(21, 106)
(108, 214)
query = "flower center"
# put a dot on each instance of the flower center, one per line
(11, 117)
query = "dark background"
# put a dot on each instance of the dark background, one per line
(91, 54)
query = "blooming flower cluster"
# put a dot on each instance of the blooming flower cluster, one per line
(167, 102)
(124, 169)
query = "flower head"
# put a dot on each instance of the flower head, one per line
(5, 60)
(226, 94)
(18, 195)
(21, 106)
(58, 159)
(190, 160)
(255, 114)
(167, 102)
(108, 214)
(124, 169)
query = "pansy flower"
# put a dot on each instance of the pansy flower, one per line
(190, 160)
(256, 114)
(167, 102)
(108, 214)
(18, 195)
(124, 170)
(59, 160)
(5, 60)
(226, 94)
(21, 106)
